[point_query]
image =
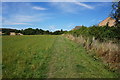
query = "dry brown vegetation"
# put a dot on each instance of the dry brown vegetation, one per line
(109, 52)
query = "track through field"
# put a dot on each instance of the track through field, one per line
(49, 56)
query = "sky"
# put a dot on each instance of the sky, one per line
(53, 15)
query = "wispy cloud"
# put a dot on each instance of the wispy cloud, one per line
(39, 8)
(76, 2)
(24, 19)
(80, 0)
(64, 7)
(15, 14)
(84, 5)
(73, 7)
(12, 23)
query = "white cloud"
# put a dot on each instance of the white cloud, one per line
(39, 8)
(14, 21)
(84, 5)
(24, 19)
(65, 7)
(71, 7)
(80, 0)
(77, 3)
(22, 15)
(18, 23)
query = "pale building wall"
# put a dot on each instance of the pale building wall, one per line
(109, 20)
(19, 34)
(0, 32)
(12, 33)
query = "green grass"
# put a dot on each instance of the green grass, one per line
(49, 56)
(26, 56)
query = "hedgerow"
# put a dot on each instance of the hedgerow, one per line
(101, 33)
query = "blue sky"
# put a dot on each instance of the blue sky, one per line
(53, 15)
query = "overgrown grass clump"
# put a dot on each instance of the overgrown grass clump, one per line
(104, 41)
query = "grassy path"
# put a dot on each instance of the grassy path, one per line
(48, 56)
(70, 60)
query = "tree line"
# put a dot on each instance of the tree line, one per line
(30, 31)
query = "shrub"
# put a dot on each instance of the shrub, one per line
(103, 33)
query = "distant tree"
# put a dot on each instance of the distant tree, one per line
(56, 32)
(37, 31)
(116, 13)
(17, 31)
(7, 32)
(61, 30)
(29, 31)
(46, 32)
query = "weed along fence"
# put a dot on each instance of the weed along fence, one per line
(109, 52)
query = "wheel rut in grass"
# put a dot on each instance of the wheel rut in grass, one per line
(48, 56)
(70, 60)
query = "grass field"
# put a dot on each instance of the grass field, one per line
(49, 56)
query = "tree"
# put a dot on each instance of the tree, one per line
(29, 31)
(46, 32)
(37, 31)
(116, 13)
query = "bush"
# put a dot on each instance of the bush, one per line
(102, 33)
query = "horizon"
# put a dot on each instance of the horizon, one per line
(53, 16)
(32, 28)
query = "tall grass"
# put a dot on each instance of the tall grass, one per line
(109, 52)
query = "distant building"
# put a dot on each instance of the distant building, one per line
(12, 33)
(1, 33)
(19, 34)
(77, 27)
(110, 21)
